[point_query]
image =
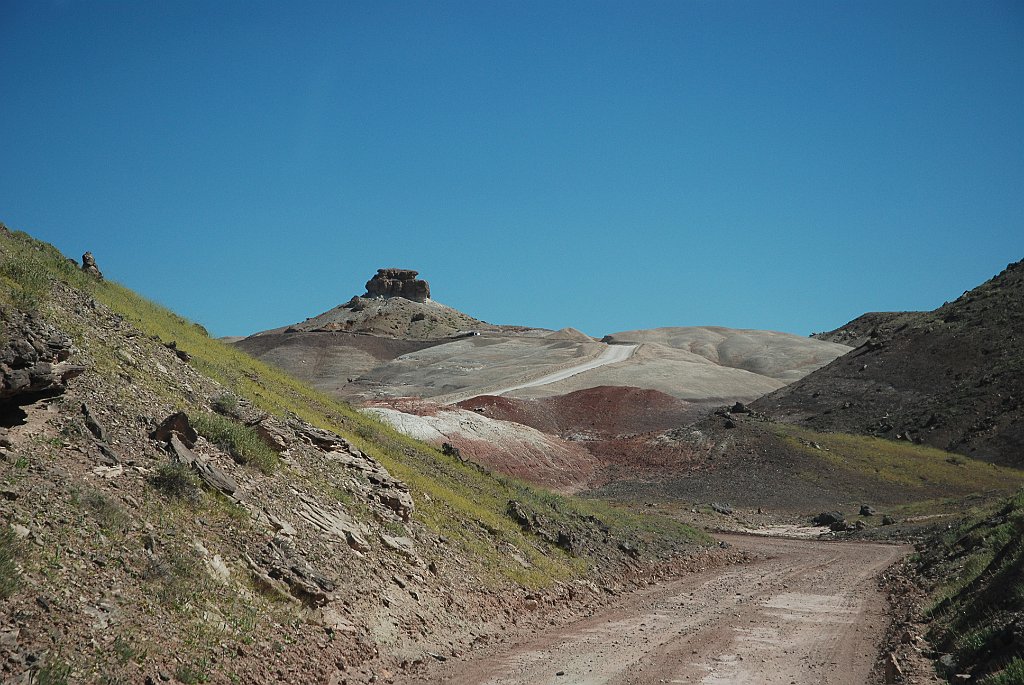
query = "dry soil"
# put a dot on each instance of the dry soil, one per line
(804, 612)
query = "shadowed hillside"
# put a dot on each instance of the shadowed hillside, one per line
(952, 378)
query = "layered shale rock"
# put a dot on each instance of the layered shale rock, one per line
(33, 358)
(398, 283)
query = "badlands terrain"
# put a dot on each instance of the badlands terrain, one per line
(395, 491)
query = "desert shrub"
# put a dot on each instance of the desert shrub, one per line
(176, 481)
(109, 514)
(226, 404)
(54, 671)
(1013, 674)
(240, 441)
(8, 568)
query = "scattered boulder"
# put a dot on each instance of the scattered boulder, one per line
(629, 549)
(828, 518)
(398, 283)
(866, 510)
(518, 514)
(176, 424)
(272, 433)
(213, 475)
(721, 508)
(94, 426)
(739, 408)
(450, 450)
(89, 266)
(400, 544)
(180, 354)
(888, 520)
(278, 560)
(893, 670)
(396, 497)
(569, 541)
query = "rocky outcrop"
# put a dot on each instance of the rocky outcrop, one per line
(398, 283)
(89, 266)
(33, 358)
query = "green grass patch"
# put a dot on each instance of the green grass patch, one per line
(8, 566)
(901, 463)
(1013, 674)
(242, 442)
(979, 595)
(176, 481)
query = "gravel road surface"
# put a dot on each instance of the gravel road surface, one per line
(808, 612)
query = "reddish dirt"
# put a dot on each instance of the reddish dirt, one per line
(801, 612)
(604, 410)
(594, 436)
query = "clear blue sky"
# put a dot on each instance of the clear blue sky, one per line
(603, 165)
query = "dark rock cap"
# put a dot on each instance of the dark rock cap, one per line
(89, 266)
(398, 283)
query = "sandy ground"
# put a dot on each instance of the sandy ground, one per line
(806, 612)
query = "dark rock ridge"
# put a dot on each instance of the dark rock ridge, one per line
(33, 358)
(398, 283)
(952, 378)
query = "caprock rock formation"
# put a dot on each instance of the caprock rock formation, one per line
(396, 305)
(398, 283)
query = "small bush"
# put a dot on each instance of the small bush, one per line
(240, 441)
(54, 672)
(191, 673)
(1013, 674)
(178, 579)
(8, 569)
(226, 404)
(109, 514)
(176, 481)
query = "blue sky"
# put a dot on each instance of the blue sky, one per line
(602, 165)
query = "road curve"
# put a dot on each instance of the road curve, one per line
(611, 355)
(807, 611)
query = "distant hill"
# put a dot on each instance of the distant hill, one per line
(382, 347)
(952, 378)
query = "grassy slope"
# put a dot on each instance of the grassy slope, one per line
(977, 572)
(453, 498)
(930, 480)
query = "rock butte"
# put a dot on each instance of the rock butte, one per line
(398, 283)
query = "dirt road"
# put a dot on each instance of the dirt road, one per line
(809, 613)
(612, 355)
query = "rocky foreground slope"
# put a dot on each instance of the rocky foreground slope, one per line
(173, 510)
(952, 378)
